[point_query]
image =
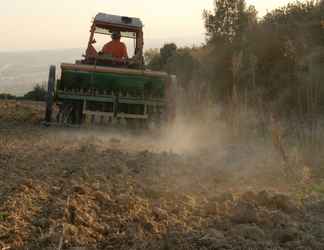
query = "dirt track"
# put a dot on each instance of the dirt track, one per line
(80, 189)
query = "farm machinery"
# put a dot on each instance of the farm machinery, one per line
(101, 89)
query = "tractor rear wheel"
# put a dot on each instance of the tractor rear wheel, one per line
(50, 94)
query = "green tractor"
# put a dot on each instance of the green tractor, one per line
(100, 89)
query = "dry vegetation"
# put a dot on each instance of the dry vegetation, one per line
(183, 189)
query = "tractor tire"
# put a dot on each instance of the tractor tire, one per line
(50, 94)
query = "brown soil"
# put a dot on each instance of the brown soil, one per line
(75, 189)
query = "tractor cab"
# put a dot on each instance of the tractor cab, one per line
(130, 29)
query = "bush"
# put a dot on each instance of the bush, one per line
(37, 94)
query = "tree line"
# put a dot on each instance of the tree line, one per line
(38, 93)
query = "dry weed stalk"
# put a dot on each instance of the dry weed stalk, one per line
(277, 140)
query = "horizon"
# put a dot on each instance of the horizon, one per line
(149, 44)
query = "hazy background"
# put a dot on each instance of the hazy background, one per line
(37, 33)
(44, 24)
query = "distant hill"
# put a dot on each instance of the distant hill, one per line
(21, 71)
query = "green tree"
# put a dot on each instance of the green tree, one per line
(37, 94)
(168, 51)
(161, 61)
(229, 30)
(229, 20)
(184, 65)
(153, 59)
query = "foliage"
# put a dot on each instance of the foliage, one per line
(37, 94)
(160, 60)
(229, 20)
(277, 59)
(167, 52)
(3, 216)
(290, 54)
(152, 59)
(178, 61)
(184, 65)
(5, 96)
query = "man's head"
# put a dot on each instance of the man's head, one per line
(115, 35)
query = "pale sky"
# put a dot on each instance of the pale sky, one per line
(53, 24)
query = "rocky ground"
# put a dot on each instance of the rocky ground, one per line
(84, 189)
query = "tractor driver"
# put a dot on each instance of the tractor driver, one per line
(115, 48)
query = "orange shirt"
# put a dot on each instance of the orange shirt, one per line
(116, 49)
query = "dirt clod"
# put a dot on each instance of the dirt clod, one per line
(244, 213)
(250, 231)
(286, 235)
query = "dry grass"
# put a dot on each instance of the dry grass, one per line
(20, 111)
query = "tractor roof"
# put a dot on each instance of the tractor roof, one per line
(124, 21)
